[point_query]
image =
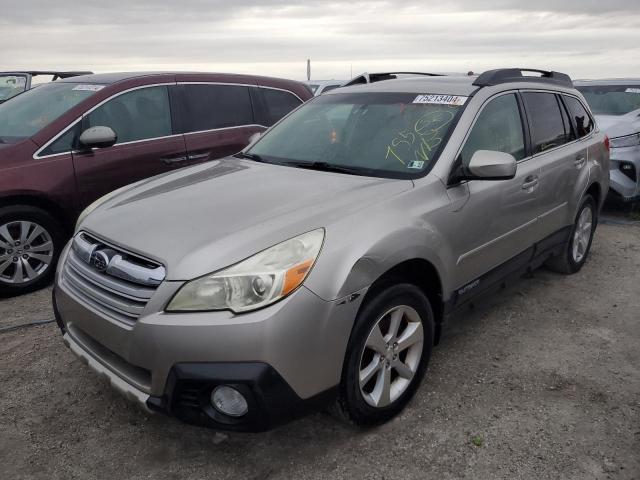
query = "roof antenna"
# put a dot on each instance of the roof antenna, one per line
(308, 69)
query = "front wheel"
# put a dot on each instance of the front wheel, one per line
(30, 243)
(387, 355)
(575, 252)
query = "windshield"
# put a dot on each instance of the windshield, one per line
(612, 99)
(11, 85)
(396, 135)
(28, 113)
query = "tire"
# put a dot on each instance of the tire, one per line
(356, 404)
(28, 265)
(568, 262)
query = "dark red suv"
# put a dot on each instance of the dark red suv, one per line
(67, 143)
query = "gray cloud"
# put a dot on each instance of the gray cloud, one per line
(583, 37)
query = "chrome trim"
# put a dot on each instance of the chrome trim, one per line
(118, 265)
(225, 128)
(36, 156)
(121, 268)
(255, 85)
(554, 209)
(497, 239)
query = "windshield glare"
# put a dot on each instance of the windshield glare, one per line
(28, 113)
(612, 99)
(377, 134)
(11, 85)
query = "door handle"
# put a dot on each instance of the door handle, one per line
(170, 160)
(530, 183)
(580, 161)
(198, 156)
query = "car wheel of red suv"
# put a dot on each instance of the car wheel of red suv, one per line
(30, 244)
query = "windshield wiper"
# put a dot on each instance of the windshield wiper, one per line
(323, 167)
(251, 156)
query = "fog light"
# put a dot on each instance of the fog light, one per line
(229, 401)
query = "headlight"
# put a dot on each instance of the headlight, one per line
(255, 282)
(626, 141)
(100, 201)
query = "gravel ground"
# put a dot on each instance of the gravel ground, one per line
(540, 381)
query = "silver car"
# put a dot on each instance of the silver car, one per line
(616, 106)
(317, 267)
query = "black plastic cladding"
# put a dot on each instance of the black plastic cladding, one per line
(508, 75)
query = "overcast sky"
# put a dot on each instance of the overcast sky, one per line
(585, 38)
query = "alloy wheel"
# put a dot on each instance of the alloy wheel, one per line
(391, 356)
(582, 234)
(26, 252)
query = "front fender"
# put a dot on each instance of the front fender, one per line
(358, 251)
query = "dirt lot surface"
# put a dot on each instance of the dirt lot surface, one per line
(541, 381)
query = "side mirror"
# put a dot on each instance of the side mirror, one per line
(98, 137)
(490, 165)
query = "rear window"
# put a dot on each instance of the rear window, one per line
(24, 115)
(612, 99)
(209, 107)
(547, 127)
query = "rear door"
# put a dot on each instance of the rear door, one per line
(499, 219)
(558, 155)
(218, 119)
(147, 144)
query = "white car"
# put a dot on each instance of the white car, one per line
(318, 87)
(616, 106)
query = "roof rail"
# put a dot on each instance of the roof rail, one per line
(56, 75)
(507, 75)
(379, 77)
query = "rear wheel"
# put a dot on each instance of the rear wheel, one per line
(575, 252)
(30, 243)
(387, 356)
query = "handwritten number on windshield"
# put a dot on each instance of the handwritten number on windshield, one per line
(423, 138)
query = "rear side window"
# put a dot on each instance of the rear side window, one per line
(498, 128)
(137, 115)
(209, 107)
(582, 121)
(547, 128)
(279, 103)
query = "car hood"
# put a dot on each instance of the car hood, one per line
(620, 125)
(200, 219)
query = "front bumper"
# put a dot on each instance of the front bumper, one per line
(624, 187)
(286, 357)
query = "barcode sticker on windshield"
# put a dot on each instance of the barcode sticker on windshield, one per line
(632, 90)
(89, 88)
(441, 99)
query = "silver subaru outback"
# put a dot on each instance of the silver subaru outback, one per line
(316, 268)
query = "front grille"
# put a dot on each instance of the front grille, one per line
(111, 281)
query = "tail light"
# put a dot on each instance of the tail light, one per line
(606, 143)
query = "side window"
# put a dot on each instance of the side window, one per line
(65, 143)
(279, 103)
(547, 127)
(217, 106)
(497, 128)
(137, 115)
(582, 121)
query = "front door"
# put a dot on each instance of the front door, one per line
(146, 144)
(498, 220)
